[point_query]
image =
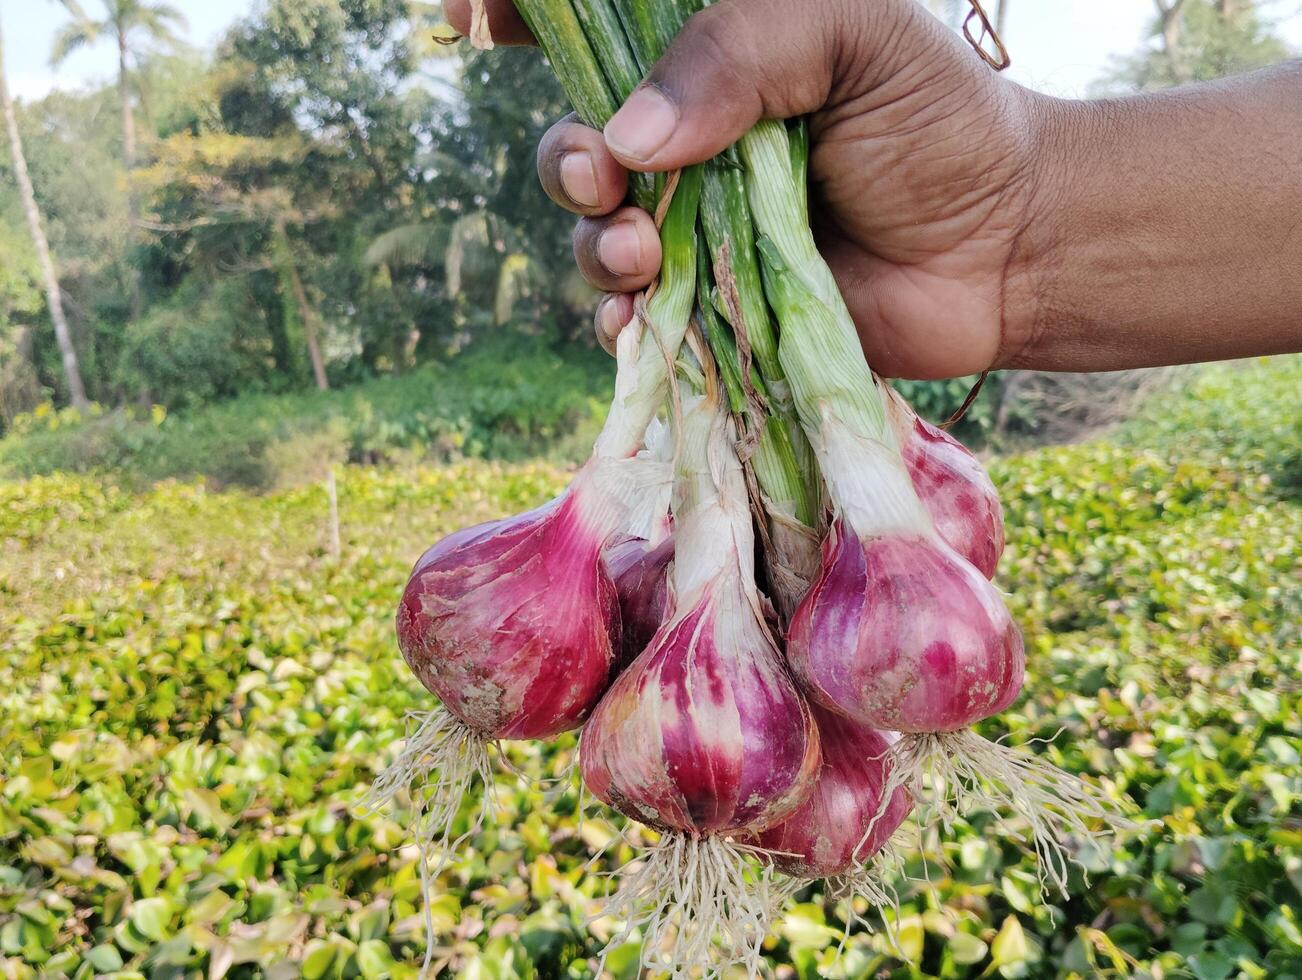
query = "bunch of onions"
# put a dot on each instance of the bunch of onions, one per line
(704, 737)
(515, 625)
(702, 705)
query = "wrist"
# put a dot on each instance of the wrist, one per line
(1039, 206)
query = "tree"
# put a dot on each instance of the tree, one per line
(129, 23)
(124, 21)
(53, 294)
(1198, 40)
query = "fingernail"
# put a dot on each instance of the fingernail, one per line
(608, 320)
(643, 125)
(579, 178)
(620, 249)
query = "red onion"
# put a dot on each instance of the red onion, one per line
(838, 828)
(705, 735)
(953, 487)
(900, 633)
(639, 571)
(515, 625)
(705, 732)
(515, 629)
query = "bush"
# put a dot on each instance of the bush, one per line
(508, 398)
(195, 696)
(184, 354)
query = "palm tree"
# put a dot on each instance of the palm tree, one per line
(128, 22)
(53, 295)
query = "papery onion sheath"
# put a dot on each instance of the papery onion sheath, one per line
(952, 485)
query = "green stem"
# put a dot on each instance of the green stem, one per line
(584, 61)
(614, 53)
(669, 312)
(726, 218)
(558, 31)
(784, 473)
(819, 347)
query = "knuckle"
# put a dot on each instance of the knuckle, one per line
(715, 35)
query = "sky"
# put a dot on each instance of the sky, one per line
(1057, 46)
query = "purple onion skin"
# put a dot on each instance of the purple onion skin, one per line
(957, 492)
(902, 634)
(705, 732)
(640, 574)
(823, 837)
(514, 623)
(469, 535)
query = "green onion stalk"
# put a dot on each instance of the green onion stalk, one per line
(627, 38)
(786, 477)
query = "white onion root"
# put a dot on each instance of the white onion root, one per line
(439, 763)
(955, 773)
(700, 905)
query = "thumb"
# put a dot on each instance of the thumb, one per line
(733, 63)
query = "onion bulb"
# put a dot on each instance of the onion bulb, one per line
(639, 571)
(704, 737)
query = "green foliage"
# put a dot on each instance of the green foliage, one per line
(1204, 43)
(506, 398)
(1249, 412)
(195, 696)
(194, 349)
(936, 401)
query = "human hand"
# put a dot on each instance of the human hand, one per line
(919, 163)
(970, 223)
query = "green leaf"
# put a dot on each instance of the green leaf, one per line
(104, 959)
(966, 949)
(318, 957)
(1010, 944)
(1211, 965)
(152, 916)
(1214, 904)
(374, 959)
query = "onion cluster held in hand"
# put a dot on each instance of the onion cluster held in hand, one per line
(765, 746)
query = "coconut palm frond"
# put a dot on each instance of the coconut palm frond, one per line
(76, 34)
(419, 243)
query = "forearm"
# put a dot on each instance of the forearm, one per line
(1162, 228)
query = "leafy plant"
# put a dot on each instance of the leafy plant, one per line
(196, 694)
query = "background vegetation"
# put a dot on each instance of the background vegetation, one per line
(322, 250)
(329, 198)
(196, 694)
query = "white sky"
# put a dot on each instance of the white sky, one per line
(1058, 46)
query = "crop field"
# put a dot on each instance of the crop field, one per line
(195, 694)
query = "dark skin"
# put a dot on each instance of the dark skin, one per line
(970, 222)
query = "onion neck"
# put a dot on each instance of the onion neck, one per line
(646, 352)
(840, 405)
(713, 537)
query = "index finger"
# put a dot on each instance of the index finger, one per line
(504, 21)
